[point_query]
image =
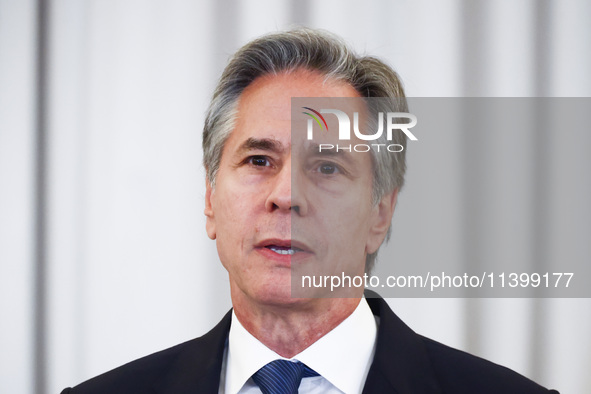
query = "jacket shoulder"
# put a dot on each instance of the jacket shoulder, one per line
(407, 362)
(136, 376)
(459, 372)
(152, 373)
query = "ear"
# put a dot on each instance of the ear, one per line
(209, 210)
(381, 221)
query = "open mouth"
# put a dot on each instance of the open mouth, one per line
(283, 250)
(283, 247)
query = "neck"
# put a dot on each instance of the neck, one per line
(288, 329)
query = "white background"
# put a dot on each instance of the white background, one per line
(129, 269)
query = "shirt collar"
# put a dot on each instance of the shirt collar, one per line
(246, 354)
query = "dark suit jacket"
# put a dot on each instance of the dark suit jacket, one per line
(404, 362)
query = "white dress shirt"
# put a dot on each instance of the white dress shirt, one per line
(342, 357)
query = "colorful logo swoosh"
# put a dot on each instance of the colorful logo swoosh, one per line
(316, 117)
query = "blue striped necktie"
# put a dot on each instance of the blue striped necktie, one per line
(282, 376)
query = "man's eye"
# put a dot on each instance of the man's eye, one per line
(328, 169)
(259, 161)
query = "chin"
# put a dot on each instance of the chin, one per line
(278, 296)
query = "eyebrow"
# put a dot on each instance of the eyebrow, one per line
(265, 144)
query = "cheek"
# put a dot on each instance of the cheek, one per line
(347, 227)
(236, 219)
(229, 201)
(355, 229)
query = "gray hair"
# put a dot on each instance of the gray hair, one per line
(311, 50)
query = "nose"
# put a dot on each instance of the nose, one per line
(285, 195)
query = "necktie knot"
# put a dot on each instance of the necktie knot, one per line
(282, 376)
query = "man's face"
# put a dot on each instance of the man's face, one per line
(278, 204)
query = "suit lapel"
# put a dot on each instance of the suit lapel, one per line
(401, 363)
(197, 368)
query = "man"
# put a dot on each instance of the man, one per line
(274, 205)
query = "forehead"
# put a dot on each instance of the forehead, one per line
(264, 108)
(273, 93)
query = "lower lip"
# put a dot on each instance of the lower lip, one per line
(284, 259)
